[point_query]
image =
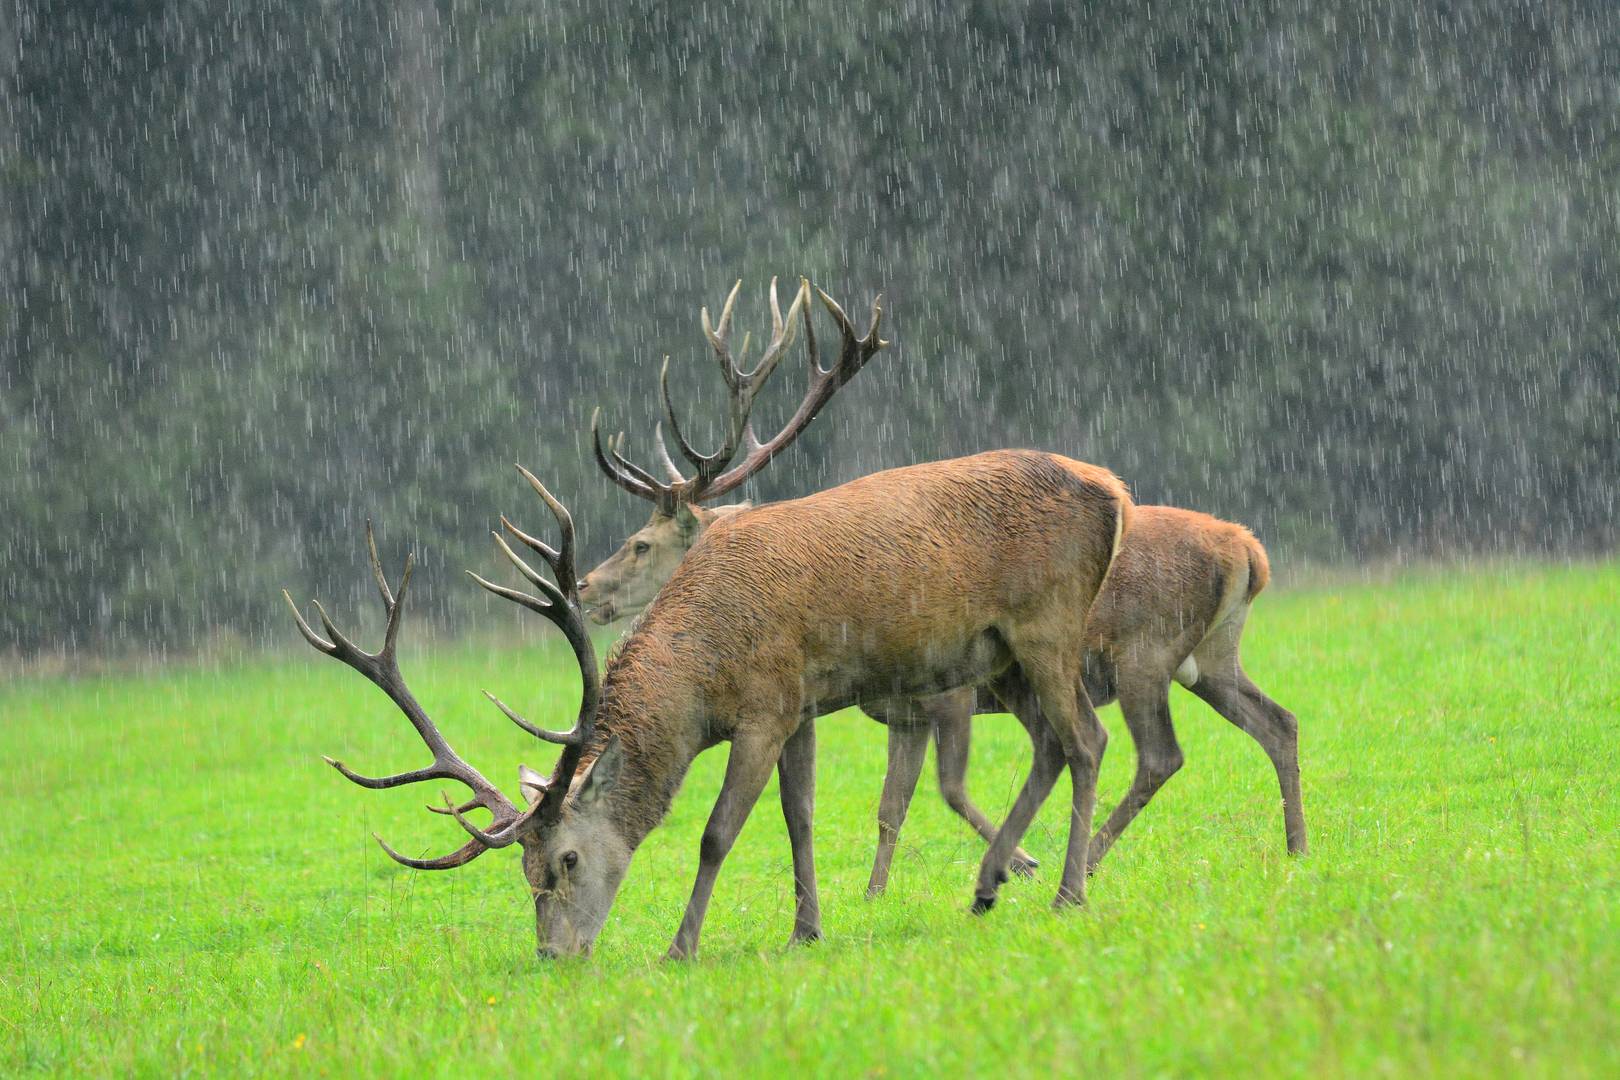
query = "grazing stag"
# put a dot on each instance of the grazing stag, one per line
(904, 583)
(1173, 608)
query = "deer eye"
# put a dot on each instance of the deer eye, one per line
(642, 547)
(570, 859)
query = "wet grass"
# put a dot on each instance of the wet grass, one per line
(187, 888)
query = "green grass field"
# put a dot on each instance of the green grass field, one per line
(187, 888)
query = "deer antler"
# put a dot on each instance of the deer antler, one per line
(743, 387)
(853, 354)
(559, 603)
(382, 668)
(631, 477)
(714, 473)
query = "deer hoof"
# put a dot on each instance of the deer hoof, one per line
(1023, 865)
(1066, 900)
(982, 904)
(805, 937)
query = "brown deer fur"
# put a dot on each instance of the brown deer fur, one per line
(1173, 607)
(910, 582)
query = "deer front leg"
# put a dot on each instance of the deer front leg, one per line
(747, 770)
(796, 771)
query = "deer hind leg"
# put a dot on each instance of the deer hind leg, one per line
(952, 717)
(908, 745)
(1144, 698)
(1282, 746)
(1227, 689)
(796, 770)
(747, 769)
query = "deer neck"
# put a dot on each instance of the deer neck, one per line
(659, 723)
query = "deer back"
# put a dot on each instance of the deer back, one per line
(894, 582)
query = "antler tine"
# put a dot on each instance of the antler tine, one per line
(556, 738)
(377, 569)
(469, 805)
(616, 451)
(554, 595)
(824, 383)
(856, 351)
(342, 647)
(547, 608)
(675, 477)
(670, 468)
(498, 839)
(701, 462)
(561, 607)
(845, 327)
(782, 332)
(319, 643)
(391, 631)
(378, 783)
(629, 476)
(533, 603)
(382, 669)
(460, 857)
(531, 542)
(560, 558)
(718, 336)
(743, 387)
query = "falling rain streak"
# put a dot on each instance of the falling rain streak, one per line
(1346, 273)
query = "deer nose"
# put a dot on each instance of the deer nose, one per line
(584, 586)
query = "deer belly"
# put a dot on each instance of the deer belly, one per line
(917, 669)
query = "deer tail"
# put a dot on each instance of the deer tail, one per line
(1259, 566)
(1124, 508)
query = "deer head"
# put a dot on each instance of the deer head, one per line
(626, 582)
(576, 860)
(574, 855)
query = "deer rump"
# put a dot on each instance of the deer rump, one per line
(905, 582)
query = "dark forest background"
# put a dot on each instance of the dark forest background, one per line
(1349, 273)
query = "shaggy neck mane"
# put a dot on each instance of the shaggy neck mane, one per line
(648, 708)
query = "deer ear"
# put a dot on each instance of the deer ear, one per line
(532, 784)
(691, 519)
(601, 776)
